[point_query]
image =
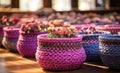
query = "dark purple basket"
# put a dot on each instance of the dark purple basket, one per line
(11, 34)
(60, 53)
(1, 34)
(110, 50)
(91, 45)
(27, 44)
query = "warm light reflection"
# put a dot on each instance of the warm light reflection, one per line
(86, 4)
(94, 65)
(31, 5)
(62, 5)
(5, 2)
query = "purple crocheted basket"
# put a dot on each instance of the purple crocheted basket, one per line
(1, 34)
(60, 53)
(27, 44)
(11, 34)
(114, 29)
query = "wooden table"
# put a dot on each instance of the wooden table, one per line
(14, 63)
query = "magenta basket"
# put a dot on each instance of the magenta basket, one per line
(113, 28)
(11, 34)
(27, 44)
(1, 34)
(60, 53)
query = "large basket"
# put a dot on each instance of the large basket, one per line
(60, 53)
(11, 34)
(114, 29)
(91, 45)
(110, 50)
(1, 34)
(27, 44)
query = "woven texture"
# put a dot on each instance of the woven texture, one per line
(11, 34)
(91, 45)
(11, 31)
(114, 29)
(110, 50)
(60, 53)
(10, 44)
(27, 44)
(1, 35)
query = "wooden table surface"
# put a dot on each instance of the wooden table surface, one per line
(14, 63)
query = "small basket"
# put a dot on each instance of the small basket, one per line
(27, 44)
(91, 45)
(11, 34)
(110, 50)
(60, 53)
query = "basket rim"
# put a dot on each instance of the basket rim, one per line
(43, 37)
(11, 28)
(110, 37)
(110, 27)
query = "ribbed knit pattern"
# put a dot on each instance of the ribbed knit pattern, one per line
(11, 34)
(91, 45)
(60, 53)
(110, 50)
(27, 44)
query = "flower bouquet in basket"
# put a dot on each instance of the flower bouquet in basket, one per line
(90, 43)
(7, 21)
(27, 42)
(61, 48)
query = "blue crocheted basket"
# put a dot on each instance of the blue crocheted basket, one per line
(110, 50)
(91, 45)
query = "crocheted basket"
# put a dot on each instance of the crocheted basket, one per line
(85, 26)
(114, 29)
(11, 34)
(27, 44)
(110, 50)
(91, 45)
(60, 53)
(1, 34)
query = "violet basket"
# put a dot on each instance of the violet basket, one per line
(60, 53)
(110, 50)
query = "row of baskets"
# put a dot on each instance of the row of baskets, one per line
(64, 53)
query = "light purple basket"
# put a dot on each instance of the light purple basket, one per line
(27, 44)
(60, 53)
(11, 34)
(1, 34)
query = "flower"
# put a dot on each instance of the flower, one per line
(88, 30)
(61, 29)
(5, 20)
(34, 26)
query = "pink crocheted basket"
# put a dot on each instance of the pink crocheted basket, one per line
(60, 53)
(11, 34)
(114, 29)
(1, 34)
(11, 31)
(27, 44)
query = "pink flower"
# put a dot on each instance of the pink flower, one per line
(35, 30)
(31, 25)
(66, 24)
(66, 32)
